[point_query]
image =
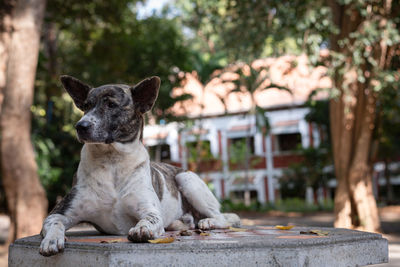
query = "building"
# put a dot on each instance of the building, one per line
(220, 120)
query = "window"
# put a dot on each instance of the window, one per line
(288, 142)
(160, 152)
(238, 196)
(199, 151)
(241, 144)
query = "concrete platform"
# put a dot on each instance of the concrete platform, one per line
(257, 246)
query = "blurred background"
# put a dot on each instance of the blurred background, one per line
(289, 110)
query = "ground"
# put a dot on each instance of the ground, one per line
(390, 217)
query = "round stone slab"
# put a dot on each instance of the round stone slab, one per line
(250, 246)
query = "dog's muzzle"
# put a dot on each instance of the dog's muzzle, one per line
(84, 128)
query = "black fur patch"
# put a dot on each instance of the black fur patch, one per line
(76, 89)
(158, 183)
(145, 93)
(119, 120)
(65, 203)
(169, 173)
(118, 108)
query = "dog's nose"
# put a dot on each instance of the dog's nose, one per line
(83, 126)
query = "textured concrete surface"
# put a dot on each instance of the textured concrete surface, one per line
(258, 246)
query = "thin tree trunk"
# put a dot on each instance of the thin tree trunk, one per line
(25, 195)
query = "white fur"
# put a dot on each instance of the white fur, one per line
(114, 190)
(199, 196)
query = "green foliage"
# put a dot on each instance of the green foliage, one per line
(319, 115)
(99, 42)
(199, 151)
(299, 205)
(45, 150)
(238, 151)
(310, 172)
(104, 41)
(249, 29)
(387, 131)
(228, 206)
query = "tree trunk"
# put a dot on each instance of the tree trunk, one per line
(352, 123)
(26, 199)
(5, 36)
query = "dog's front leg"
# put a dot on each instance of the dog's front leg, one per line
(55, 225)
(53, 233)
(150, 224)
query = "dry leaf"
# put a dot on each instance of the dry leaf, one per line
(315, 232)
(282, 227)
(307, 233)
(204, 234)
(185, 233)
(198, 231)
(237, 229)
(320, 232)
(162, 240)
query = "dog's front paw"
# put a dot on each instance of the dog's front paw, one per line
(143, 233)
(207, 224)
(140, 233)
(51, 246)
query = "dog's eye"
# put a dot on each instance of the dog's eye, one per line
(85, 106)
(111, 104)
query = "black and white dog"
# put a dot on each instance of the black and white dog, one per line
(117, 188)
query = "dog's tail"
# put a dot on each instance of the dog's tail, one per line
(232, 219)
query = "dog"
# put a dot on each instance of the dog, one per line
(116, 188)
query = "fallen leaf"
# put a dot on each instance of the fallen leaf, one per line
(204, 234)
(282, 227)
(308, 233)
(237, 229)
(162, 240)
(198, 231)
(320, 232)
(315, 232)
(185, 233)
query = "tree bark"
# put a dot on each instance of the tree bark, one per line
(5, 36)
(352, 118)
(26, 198)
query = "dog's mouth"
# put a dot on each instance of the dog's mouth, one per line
(89, 138)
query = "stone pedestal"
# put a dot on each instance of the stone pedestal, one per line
(257, 246)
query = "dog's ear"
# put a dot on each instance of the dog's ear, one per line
(76, 89)
(144, 94)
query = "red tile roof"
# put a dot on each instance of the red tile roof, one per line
(293, 72)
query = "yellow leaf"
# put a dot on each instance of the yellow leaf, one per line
(162, 240)
(319, 232)
(281, 227)
(237, 229)
(204, 234)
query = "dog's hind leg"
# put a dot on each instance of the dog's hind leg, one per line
(204, 202)
(186, 222)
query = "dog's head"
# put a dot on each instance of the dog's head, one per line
(112, 112)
